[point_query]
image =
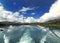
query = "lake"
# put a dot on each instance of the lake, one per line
(29, 34)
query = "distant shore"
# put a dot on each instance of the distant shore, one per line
(18, 24)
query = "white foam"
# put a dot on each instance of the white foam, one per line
(43, 39)
(26, 38)
(57, 33)
(6, 39)
(43, 28)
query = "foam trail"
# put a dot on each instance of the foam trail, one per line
(6, 39)
(57, 33)
(48, 32)
(26, 38)
(43, 28)
(54, 33)
(43, 39)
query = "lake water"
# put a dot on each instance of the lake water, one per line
(29, 34)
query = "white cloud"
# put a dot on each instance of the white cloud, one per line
(24, 9)
(8, 15)
(30, 20)
(15, 17)
(32, 13)
(54, 12)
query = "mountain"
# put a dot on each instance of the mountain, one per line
(54, 21)
(6, 23)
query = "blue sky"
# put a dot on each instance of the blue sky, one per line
(40, 6)
(29, 10)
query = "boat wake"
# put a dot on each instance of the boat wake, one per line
(29, 34)
(26, 38)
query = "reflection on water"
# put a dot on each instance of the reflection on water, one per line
(29, 34)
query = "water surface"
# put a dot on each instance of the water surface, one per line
(29, 34)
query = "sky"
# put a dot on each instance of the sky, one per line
(29, 10)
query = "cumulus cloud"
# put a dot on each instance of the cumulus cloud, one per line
(8, 15)
(16, 16)
(3, 13)
(30, 20)
(54, 12)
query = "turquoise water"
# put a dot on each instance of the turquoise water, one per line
(29, 34)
